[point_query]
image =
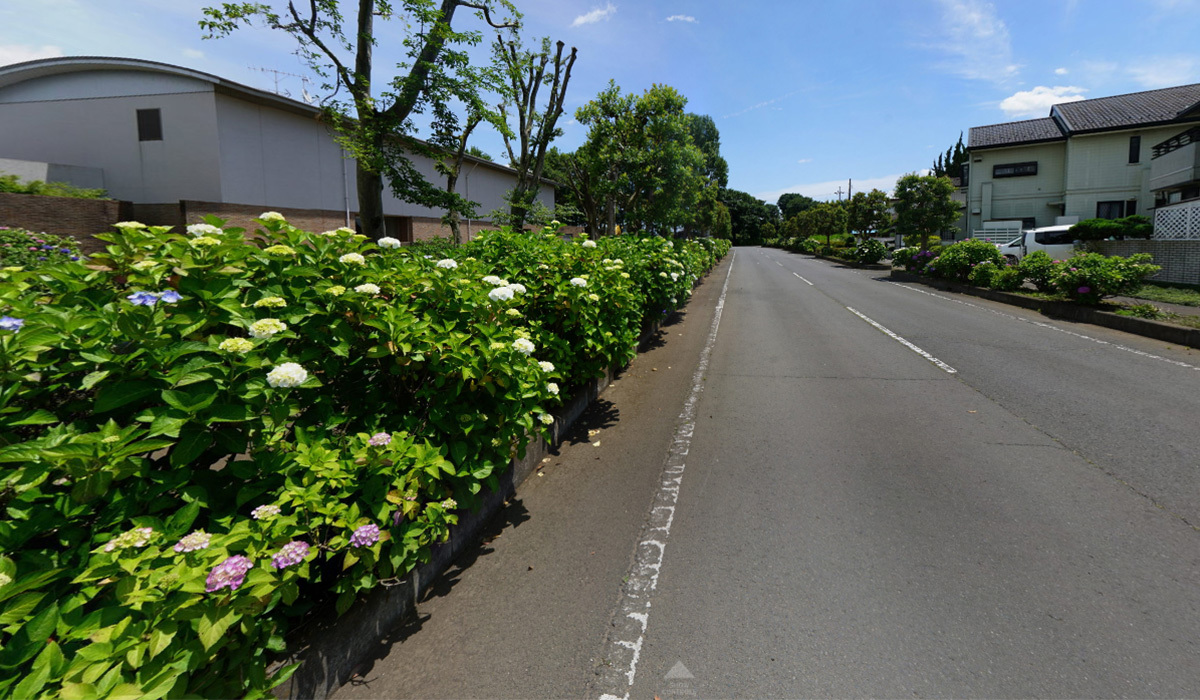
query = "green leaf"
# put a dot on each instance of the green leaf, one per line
(19, 608)
(92, 487)
(168, 425)
(193, 441)
(161, 637)
(113, 396)
(38, 417)
(77, 691)
(182, 520)
(42, 625)
(196, 399)
(214, 625)
(344, 601)
(32, 684)
(93, 378)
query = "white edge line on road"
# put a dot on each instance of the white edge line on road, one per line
(804, 280)
(945, 367)
(1135, 351)
(623, 642)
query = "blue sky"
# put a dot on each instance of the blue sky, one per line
(806, 95)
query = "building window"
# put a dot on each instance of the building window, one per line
(1116, 209)
(966, 174)
(1014, 169)
(149, 122)
(1135, 149)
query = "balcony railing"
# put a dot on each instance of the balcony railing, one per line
(1178, 222)
(1178, 141)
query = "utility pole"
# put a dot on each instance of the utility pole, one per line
(838, 192)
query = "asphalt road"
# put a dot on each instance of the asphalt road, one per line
(847, 488)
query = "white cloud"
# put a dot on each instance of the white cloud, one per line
(683, 18)
(976, 40)
(193, 53)
(1165, 71)
(828, 190)
(19, 53)
(600, 13)
(1060, 71)
(760, 105)
(1037, 102)
(804, 160)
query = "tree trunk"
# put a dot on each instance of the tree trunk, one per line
(370, 202)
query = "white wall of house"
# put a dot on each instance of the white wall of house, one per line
(219, 144)
(1019, 197)
(90, 119)
(1100, 170)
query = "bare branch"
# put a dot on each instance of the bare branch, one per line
(487, 15)
(309, 29)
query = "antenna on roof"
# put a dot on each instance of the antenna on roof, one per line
(304, 81)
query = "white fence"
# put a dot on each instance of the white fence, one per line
(996, 235)
(1178, 222)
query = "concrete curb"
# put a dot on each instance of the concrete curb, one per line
(333, 647)
(1166, 332)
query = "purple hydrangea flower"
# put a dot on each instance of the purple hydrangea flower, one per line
(379, 439)
(143, 298)
(230, 574)
(8, 323)
(1085, 290)
(365, 536)
(170, 296)
(290, 554)
(193, 541)
(64, 251)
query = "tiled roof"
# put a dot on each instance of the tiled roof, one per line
(1011, 133)
(1120, 111)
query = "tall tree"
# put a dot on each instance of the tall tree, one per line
(641, 146)
(715, 175)
(826, 219)
(374, 119)
(791, 204)
(536, 127)
(577, 191)
(950, 164)
(924, 207)
(868, 212)
(748, 216)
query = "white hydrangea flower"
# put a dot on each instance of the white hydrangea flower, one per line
(367, 288)
(287, 375)
(546, 366)
(447, 263)
(594, 297)
(546, 419)
(342, 230)
(267, 327)
(552, 388)
(501, 294)
(352, 259)
(625, 275)
(589, 244)
(663, 275)
(129, 224)
(524, 346)
(674, 276)
(389, 242)
(270, 302)
(240, 346)
(579, 281)
(336, 290)
(271, 216)
(203, 241)
(517, 288)
(204, 230)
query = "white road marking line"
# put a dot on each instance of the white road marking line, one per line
(623, 642)
(1135, 351)
(905, 343)
(803, 280)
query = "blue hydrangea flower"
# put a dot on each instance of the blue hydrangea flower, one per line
(8, 323)
(143, 298)
(170, 296)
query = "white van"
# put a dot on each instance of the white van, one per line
(1056, 241)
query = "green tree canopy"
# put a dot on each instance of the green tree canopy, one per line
(867, 212)
(748, 216)
(791, 204)
(924, 207)
(950, 164)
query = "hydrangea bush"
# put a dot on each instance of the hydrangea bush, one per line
(28, 249)
(204, 435)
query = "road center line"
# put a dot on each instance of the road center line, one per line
(945, 367)
(804, 280)
(1040, 324)
(623, 642)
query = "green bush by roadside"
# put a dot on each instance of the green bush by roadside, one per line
(204, 436)
(29, 249)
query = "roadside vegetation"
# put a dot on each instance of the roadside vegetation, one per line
(13, 184)
(207, 435)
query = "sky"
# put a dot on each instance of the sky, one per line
(809, 97)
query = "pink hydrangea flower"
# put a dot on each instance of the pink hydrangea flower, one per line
(290, 554)
(230, 574)
(379, 439)
(365, 536)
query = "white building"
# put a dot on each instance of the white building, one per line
(179, 144)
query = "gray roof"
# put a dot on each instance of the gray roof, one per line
(1124, 111)
(1010, 133)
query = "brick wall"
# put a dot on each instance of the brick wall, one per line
(64, 216)
(1180, 260)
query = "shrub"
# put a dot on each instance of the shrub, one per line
(958, 260)
(1089, 277)
(30, 250)
(204, 436)
(913, 259)
(983, 273)
(1100, 229)
(870, 252)
(13, 184)
(1038, 268)
(1007, 279)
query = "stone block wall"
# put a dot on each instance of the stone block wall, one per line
(64, 216)
(1180, 260)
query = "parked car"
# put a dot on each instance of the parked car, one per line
(1056, 241)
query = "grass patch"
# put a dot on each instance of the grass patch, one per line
(1168, 293)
